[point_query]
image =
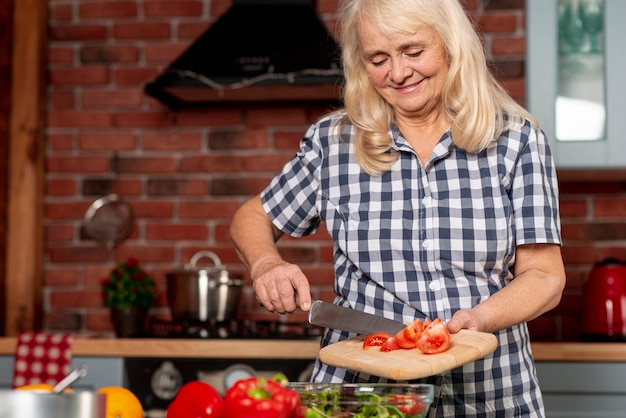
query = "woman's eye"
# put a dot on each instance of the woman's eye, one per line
(415, 54)
(378, 63)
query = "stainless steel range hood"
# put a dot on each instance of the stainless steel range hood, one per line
(259, 51)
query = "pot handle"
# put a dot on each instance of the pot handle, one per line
(204, 254)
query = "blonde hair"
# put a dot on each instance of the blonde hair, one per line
(478, 106)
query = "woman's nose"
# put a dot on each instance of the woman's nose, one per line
(400, 70)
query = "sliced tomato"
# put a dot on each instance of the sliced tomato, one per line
(376, 339)
(390, 345)
(405, 341)
(407, 403)
(408, 336)
(435, 338)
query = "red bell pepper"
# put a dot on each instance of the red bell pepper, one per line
(256, 397)
(290, 397)
(196, 399)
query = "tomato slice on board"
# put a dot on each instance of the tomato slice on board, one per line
(408, 336)
(390, 345)
(435, 338)
(404, 340)
(376, 339)
(430, 337)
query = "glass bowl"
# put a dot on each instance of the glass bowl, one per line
(344, 400)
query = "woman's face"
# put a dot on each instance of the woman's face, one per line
(408, 71)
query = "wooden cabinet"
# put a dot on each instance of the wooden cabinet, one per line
(546, 58)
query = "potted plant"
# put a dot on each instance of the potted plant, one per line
(129, 291)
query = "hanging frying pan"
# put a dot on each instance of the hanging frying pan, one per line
(109, 220)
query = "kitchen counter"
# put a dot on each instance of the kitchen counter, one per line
(292, 349)
(577, 379)
(579, 351)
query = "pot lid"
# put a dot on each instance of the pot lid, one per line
(217, 272)
(192, 265)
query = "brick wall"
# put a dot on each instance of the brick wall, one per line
(186, 173)
(593, 215)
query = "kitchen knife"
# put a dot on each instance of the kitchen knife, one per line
(328, 315)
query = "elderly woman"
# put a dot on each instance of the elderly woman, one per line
(439, 192)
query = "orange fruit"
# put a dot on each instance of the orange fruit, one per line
(121, 403)
(40, 387)
(37, 387)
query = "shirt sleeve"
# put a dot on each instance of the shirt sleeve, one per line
(535, 192)
(290, 200)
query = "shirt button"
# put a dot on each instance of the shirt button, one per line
(426, 201)
(434, 286)
(426, 244)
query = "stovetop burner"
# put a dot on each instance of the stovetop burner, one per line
(161, 328)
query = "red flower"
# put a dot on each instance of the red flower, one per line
(128, 285)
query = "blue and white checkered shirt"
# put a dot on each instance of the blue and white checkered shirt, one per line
(427, 240)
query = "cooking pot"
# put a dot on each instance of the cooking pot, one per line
(604, 302)
(22, 403)
(204, 293)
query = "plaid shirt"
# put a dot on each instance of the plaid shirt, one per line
(427, 240)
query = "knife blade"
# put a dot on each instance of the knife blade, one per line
(328, 315)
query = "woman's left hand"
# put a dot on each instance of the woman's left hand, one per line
(463, 319)
(536, 288)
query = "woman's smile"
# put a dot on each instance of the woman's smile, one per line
(408, 89)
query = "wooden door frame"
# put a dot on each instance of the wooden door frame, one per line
(6, 43)
(23, 277)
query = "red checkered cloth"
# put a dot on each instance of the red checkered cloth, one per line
(42, 357)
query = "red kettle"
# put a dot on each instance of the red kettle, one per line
(604, 302)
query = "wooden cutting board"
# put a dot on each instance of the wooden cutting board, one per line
(465, 346)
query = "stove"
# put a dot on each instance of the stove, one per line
(240, 329)
(156, 381)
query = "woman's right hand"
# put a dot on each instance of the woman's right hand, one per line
(277, 283)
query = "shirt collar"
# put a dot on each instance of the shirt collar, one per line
(441, 150)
